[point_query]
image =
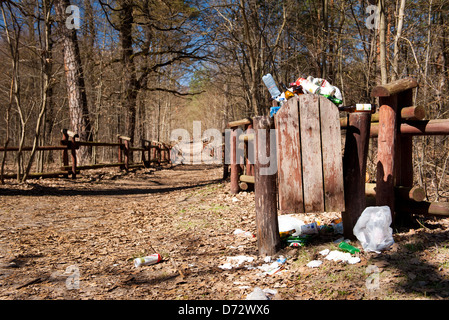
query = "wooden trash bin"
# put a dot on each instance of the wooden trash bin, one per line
(309, 156)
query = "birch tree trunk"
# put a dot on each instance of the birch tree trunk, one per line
(400, 23)
(383, 40)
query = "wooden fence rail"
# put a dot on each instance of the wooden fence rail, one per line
(152, 153)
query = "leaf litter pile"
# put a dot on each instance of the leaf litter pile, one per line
(77, 239)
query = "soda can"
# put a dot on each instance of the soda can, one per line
(148, 260)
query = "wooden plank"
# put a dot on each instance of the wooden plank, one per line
(334, 199)
(312, 172)
(289, 158)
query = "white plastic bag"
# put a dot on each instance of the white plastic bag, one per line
(373, 229)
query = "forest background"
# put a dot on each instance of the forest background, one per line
(143, 68)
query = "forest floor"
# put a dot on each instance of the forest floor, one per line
(76, 239)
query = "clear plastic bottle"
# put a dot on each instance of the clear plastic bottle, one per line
(271, 85)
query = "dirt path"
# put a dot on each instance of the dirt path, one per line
(63, 239)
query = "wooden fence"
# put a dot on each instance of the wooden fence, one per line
(153, 153)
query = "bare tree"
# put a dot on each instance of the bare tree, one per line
(77, 99)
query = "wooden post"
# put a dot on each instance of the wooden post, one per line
(249, 144)
(65, 152)
(388, 149)
(142, 144)
(386, 152)
(126, 155)
(120, 147)
(354, 169)
(73, 149)
(225, 149)
(268, 240)
(235, 168)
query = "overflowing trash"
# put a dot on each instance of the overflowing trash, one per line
(291, 226)
(309, 85)
(373, 229)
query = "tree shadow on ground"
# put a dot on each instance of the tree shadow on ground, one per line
(415, 264)
(40, 190)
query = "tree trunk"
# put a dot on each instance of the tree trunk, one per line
(383, 40)
(399, 26)
(130, 86)
(77, 99)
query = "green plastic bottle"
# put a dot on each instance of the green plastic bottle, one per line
(348, 248)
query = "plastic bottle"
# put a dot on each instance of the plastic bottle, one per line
(271, 85)
(311, 228)
(148, 260)
(348, 248)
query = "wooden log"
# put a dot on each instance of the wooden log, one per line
(386, 152)
(249, 149)
(65, 152)
(124, 137)
(226, 148)
(38, 148)
(427, 208)
(244, 186)
(426, 127)
(289, 162)
(418, 128)
(415, 193)
(246, 137)
(394, 87)
(97, 144)
(268, 240)
(73, 154)
(247, 179)
(126, 153)
(407, 113)
(235, 168)
(404, 147)
(354, 169)
(234, 124)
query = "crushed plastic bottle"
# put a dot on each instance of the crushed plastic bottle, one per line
(271, 85)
